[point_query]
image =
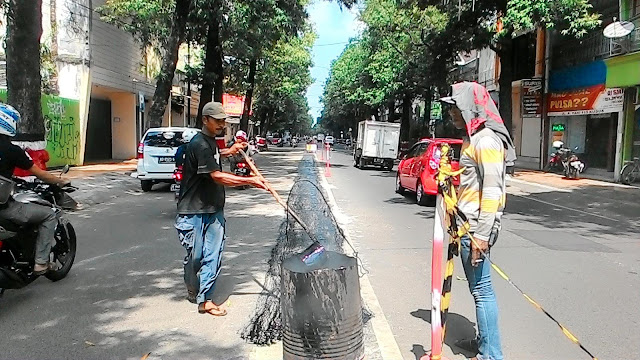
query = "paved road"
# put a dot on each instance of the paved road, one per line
(125, 296)
(576, 251)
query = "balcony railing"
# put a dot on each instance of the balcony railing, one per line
(570, 52)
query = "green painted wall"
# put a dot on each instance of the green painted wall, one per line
(62, 126)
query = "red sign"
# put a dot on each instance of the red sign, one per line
(575, 100)
(233, 105)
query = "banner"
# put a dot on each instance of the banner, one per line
(233, 105)
(62, 129)
(592, 100)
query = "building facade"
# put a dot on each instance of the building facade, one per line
(104, 85)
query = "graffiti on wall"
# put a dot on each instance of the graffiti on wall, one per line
(62, 126)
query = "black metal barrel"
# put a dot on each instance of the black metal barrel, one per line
(321, 309)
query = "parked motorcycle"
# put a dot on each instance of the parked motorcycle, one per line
(241, 168)
(565, 160)
(17, 243)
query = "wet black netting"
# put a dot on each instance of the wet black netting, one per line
(309, 202)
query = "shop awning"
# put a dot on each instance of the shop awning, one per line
(623, 71)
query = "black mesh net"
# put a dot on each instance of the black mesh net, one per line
(308, 201)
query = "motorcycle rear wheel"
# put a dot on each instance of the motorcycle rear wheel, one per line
(64, 252)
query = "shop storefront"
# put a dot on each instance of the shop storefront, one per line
(590, 122)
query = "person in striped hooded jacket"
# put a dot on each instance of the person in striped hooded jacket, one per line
(487, 151)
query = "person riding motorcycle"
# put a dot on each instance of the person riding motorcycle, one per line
(241, 137)
(12, 157)
(187, 135)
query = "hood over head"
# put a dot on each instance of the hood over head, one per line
(478, 109)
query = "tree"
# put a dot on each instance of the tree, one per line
(24, 30)
(162, 23)
(282, 80)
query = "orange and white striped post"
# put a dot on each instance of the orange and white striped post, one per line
(327, 167)
(436, 283)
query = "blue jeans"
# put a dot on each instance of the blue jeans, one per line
(202, 235)
(479, 278)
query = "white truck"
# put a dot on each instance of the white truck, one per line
(377, 144)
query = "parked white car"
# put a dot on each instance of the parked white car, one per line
(157, 155)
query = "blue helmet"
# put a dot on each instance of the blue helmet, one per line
(9, 118)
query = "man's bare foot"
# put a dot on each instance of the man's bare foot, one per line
(208, 307)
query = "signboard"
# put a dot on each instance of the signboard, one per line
(436, 110)
(557, 127)
(233, 105)
(532, 98)
(141, 101)
(592, 100)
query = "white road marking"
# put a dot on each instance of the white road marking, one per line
(389, 349)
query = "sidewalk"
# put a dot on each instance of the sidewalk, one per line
(558, 181)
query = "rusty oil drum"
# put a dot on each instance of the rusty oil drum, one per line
(321, 309)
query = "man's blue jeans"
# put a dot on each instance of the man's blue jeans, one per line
(486, 306)
(202, 235)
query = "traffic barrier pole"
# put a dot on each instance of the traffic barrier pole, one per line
(436, 283)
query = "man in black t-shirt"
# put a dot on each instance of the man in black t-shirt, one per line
(200, 221)
(12, 157)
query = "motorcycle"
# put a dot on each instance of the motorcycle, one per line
(261, 144)
(566, 161)
(294, 143)
(241, 168)
(177, 177)
(17, 243)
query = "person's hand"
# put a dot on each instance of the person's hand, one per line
(238, 146)
(258, 182)
(62, 182)
(476, 253)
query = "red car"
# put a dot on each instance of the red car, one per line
(417, 170)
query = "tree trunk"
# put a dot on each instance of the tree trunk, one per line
(264, 123)
(212, 87)
(24, 29)
(53, 19)
(428, 99)
(506, 76)
(244, 122)
(405, 124)
(164, 80)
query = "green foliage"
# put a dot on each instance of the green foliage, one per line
(149, 21)
(571, 17)
(283, 78)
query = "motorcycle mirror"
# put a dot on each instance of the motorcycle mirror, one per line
(65, 170)
(576, 148)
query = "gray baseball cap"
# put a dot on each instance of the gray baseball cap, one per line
(215, 110)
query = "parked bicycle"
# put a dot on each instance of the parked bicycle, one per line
(630, 172)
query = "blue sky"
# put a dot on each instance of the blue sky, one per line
(334, 27)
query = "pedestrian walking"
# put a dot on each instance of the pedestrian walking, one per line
(200, 221)
(486, 152)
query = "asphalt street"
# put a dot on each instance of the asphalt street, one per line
(574, 250)
(125, 297)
